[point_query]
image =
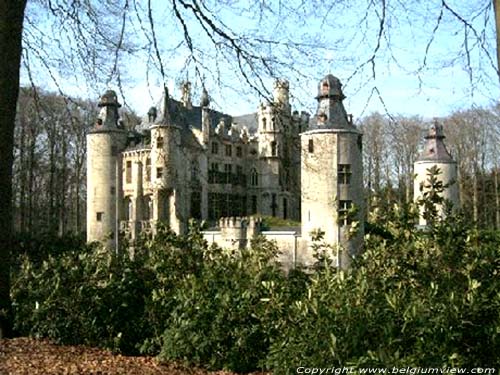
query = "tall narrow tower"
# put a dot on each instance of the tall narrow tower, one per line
(165, 142)
(272, 120)
(105, 141)
(436, 155)
(332, 176)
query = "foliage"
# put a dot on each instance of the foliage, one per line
(94, 298)
(413, 298)
(272, 222)
(228, 315)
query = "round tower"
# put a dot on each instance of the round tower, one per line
(165, 141)
(435, 155)
(105, 141)
(332, 177)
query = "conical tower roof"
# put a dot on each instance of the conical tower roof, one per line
(434, 148)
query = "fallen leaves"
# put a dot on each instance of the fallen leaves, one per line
(41, 357)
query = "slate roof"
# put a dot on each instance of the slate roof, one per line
(434, 148)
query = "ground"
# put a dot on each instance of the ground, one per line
(36, 357)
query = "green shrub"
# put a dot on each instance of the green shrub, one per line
(93, 298)
(227, 316)
(414, 298)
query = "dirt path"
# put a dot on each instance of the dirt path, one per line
(36, 357)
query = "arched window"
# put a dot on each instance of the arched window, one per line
(264, 123)
(254, 177)
(128, 208)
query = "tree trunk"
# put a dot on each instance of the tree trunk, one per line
(11, 28)
(496, 8)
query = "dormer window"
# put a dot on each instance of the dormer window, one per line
(325, 88)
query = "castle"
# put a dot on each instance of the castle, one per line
(188, 161)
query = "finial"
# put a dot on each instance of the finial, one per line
(166, 111)
(205, 100)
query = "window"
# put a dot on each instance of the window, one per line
(194, 170)
(159, 172)
(310, 146)
(213, 173)
(239, 151)
(273, 204)
(254, 204)
(196, 205)
(229, 150)
(99, 216)
(264, 123)
(159, 142)
(325, 88)
(148, 208)
(128, 172)
(148, 169)
(128, 209)
(254, 177)
(215, 148)
(344, 207)
(274, 148)
(239, 170)
(112, 190)
(228, 169)
(344, 174)
(285, 209)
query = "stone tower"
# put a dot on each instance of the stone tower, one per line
(435, 154)
(105, 141)
(165, 143)
(272, 118)
(332, 176)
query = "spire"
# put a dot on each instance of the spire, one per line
(204, 100)
(434, 148)
(331, 113)
(165, 110)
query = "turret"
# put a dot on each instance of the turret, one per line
(186, 95)
(105, 141)
(281, 95)
(205, 116)
(331, 177)
(331, 113)
(435, 155)
(165, 144)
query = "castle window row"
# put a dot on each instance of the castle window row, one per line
(223, 205)
(216, 177)
(228, 150)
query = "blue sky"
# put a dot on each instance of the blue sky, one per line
(337, 39)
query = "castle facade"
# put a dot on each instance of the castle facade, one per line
(189, 161)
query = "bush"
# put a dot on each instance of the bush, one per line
(417, 299)
(93, 298)
(226, 317)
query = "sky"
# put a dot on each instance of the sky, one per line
(381, 69)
